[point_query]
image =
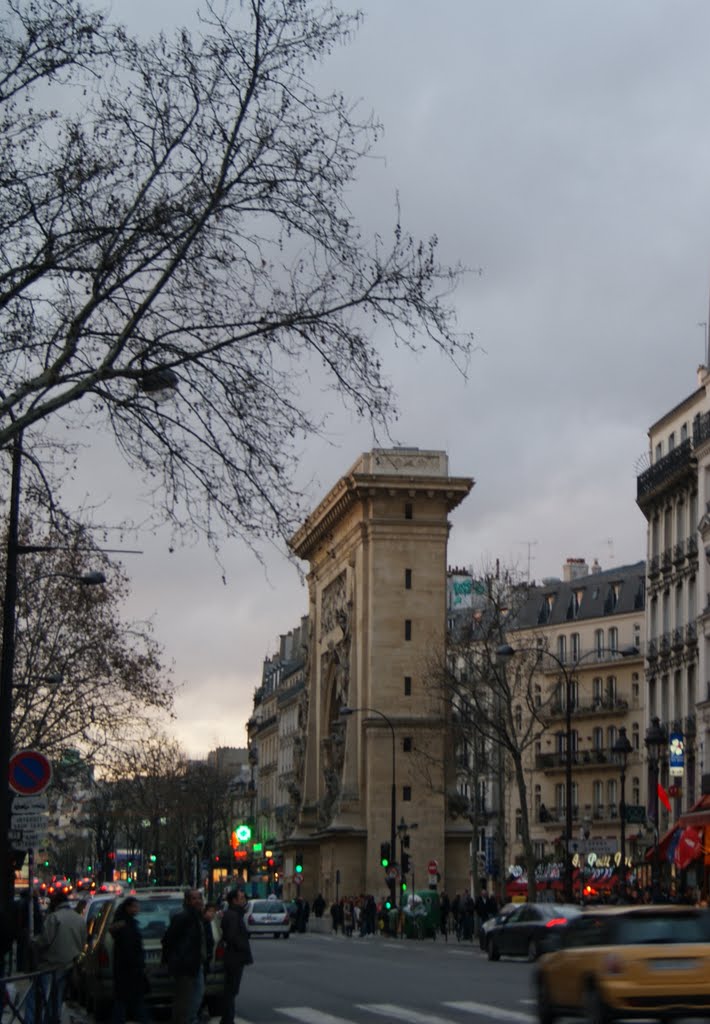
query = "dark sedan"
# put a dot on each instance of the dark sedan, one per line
(525, 931)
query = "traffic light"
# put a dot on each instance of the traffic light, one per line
(388, 904)
(89, 869)
(405, 863)
(299, 863)
(385, 854)
(403, 885)
(153, 858)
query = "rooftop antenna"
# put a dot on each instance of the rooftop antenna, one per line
(530, 544)
(704, 325)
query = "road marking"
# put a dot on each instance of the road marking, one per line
(402, 1013)
(493, 1012)
(309, 1016)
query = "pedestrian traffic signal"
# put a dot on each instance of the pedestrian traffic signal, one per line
(388, 904)
(299, 863)
(403, 885)
(405, 863)
(385, 854)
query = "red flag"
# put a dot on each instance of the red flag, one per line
(663, 796)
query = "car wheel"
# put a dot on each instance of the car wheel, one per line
(532, 951)
(287, 935)
(493, 953)
(545, 1013)
(597, 1012)
(277, 935)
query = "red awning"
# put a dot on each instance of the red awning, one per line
(663, 845)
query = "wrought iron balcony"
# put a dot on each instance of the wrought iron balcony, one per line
(701, 428)
(664, 474)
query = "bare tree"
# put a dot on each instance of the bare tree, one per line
(495, 712)
(84, 676)
(175, 211)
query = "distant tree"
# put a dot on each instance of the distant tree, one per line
(495, 712)
(181, 204)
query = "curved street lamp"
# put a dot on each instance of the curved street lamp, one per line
(345, 712)
(656, 741)
(504, 653)
(621, 750)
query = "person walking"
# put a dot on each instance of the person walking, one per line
(56, 947)
(237, 951)
(130, 983)
(199, 1008)
(184, 952)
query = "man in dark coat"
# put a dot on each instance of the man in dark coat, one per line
(129, 980)
(237, 951)
(184, 952)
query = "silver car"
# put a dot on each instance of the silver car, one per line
(268, 917)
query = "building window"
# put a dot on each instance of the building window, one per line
(635, 737)
(671, 441)
(518, 824)
(408, 510)
(597, 692)
(598, 738)
(599, 642)
(614, 632)
(636, 791)
(407, 686)
(562, 648)
(407, 579)
(407, 744)
(406, 792)
(407, 629)
(576, 649)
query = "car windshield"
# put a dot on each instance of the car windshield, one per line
(268, 907)
(639, 929)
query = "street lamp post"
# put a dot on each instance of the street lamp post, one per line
(504, 653)
(344, 713)
(656, 740)
(622, 748)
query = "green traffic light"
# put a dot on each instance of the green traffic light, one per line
(388, 904)
(385, 862)
(299, 869)
(404, 886)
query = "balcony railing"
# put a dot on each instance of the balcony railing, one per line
(557, 759)
(664, 472)
(701, 428)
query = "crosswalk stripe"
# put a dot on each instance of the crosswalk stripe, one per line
(403, 1013)
(493, 1012)
(307, 1015)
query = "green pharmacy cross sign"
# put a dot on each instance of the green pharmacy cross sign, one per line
(243, 833)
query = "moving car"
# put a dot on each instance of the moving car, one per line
(614, 963)
(502, 915)
(268, 917)
(157, 907)
(524, 931)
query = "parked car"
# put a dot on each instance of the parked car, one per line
(502, 915)
(523, 932)
(618, 962)
(268, 917)
(157, 907)
(92, 912)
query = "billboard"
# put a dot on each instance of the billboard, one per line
(676, 754)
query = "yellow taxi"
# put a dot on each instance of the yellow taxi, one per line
(615, 963)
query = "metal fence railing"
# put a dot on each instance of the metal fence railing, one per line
(34, 998)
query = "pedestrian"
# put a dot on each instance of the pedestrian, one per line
(184, 952)
(444, 911)
(208, 915)
(348, 918)
(130, 983)
(237, 951)
(335, 916)
(56, 948)
(319, 905)
(491, 906)
(481, 910)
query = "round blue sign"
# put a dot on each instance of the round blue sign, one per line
(29, 772)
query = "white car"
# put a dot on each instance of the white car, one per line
(268, 917)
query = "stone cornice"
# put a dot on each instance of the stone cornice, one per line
(359, 487)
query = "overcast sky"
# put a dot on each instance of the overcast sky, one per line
(562, 147)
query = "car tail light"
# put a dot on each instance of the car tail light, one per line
(219, 953)
(613, 964)
(556, 922)
(287, 918)
(250, 919)
(103, 958)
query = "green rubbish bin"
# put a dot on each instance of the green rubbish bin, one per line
(422, 914)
